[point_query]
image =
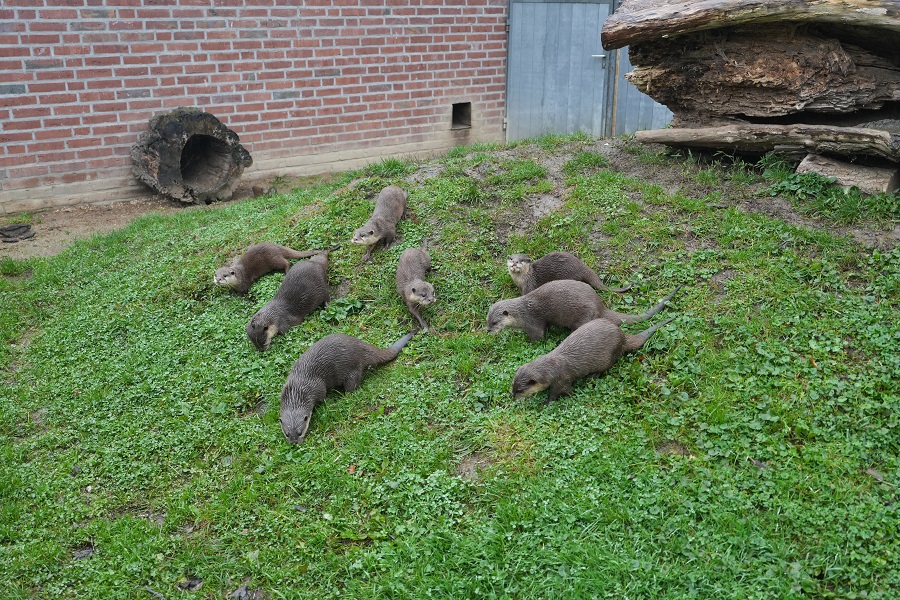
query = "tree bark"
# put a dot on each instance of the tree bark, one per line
(818, 139)
(644, 20)
(764, 71)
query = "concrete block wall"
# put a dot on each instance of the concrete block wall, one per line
(309, 87)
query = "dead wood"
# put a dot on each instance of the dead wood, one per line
(644, 20)
(869, 180)
(763, 71)
(753, 138)
(190, 156)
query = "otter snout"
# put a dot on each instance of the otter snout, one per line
(498, 318)
(295, 426)
(261, 335)
(518, 264)
(526, 383)
(365, 238)
(295, 414)
(225, 277)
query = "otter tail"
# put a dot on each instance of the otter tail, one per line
(291, 253)
(321, 256)
(597, 284)
(397, 346)
(618, 289)
(620, 318)
(633, 342)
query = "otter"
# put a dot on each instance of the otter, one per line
(305, 287)
(564, 302)
(336, 360)
(529, 275)
(411, 269)
(390, 205)
(589, 350)
(258, 260)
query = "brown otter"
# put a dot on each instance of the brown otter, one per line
(258, 260)
(411, 269)
(336, 360)
(565, 302)
(530, 275)
(305, 287)
(389, 208)
(591, 349)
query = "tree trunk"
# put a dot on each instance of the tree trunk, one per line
(189, 155)
(645, 20)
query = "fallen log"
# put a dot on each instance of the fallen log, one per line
(755, 138)
(190, 156)
(638, 21)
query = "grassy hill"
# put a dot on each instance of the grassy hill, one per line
(751, 449)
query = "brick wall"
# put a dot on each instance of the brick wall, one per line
(327, 85)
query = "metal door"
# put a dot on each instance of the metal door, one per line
(557, 70)
(560, 80)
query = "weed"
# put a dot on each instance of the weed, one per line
(816, 195)
(390, 168)
(552, 142)
(584, 162)
(11, 267)
(338, 310)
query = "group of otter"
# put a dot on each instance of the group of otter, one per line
(557, 289)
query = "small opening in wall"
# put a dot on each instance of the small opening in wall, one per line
(462, 115)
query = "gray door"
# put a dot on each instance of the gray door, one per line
(557, 73)
(560, 80)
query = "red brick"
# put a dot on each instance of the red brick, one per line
(33, 170)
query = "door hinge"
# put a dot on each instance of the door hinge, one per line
(505, 122)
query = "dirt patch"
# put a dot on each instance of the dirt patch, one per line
(57, 229)
(470, 465)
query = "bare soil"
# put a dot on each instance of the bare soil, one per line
(57, 229)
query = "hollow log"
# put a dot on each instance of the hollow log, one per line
(190, 156)
(763, 71)
(645, 20)
(754, 138)
(869, 180)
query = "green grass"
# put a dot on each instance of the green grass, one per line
(816, 195)
(140, 448)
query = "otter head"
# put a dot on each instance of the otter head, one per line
(499, 316)
(226, 276)
(518, 264)
(261, 331)
(365, 235)
(420, 292)
(528, 381)
(295, 413)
